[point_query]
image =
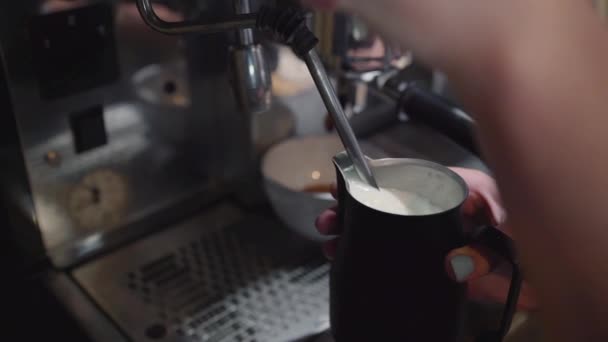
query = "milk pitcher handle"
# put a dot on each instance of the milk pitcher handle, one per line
(501, 244)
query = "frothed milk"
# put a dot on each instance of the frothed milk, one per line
(392, 201)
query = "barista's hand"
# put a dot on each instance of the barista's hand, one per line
(488, 280)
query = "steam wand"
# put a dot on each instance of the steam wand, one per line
(289, 27)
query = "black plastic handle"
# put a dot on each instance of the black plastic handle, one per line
(423, 106)
(501, 244)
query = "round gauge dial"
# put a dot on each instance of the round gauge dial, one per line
(99, 200)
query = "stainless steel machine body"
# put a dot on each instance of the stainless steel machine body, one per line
(112, 136)
(114, 122)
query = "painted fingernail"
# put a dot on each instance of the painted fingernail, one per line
(462, 267)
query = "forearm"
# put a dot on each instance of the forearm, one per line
(541, 104)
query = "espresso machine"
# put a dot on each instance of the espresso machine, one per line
(126, 153)
(129, 171)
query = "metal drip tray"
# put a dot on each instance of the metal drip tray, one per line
(221, 276)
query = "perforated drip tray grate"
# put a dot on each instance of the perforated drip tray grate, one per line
(217, 277)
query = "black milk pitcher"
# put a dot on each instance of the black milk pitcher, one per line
(388, 279)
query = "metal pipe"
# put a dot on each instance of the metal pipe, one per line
(245, 35)
(345, 131)
(239, 21)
